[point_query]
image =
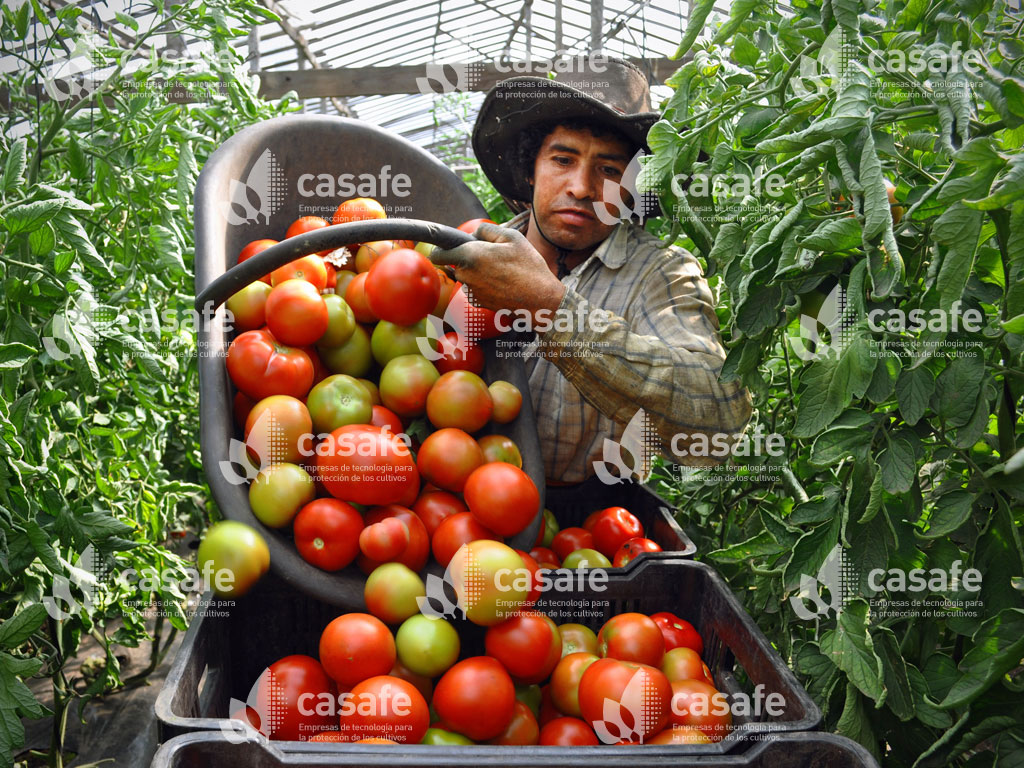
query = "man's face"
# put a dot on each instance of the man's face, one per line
(569, 175)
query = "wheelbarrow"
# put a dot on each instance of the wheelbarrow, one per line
(254, 186)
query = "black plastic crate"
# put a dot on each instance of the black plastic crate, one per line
(227, 647)
(572, 503)
(786, 750)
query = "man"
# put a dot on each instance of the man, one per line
(649, 334)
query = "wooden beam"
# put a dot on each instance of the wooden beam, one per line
(383, 81)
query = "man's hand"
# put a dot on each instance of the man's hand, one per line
(503, 271)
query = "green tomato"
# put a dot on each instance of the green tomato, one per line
(390, 341)
(586, 558)
(279, 492)
(391, 591)
(531, 696)
(550, 529)
(232, 557)
(441, 737)
(337, 401)
(341, 323)
(352, 358)
(426, 645)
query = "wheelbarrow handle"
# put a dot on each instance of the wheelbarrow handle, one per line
(325, 238)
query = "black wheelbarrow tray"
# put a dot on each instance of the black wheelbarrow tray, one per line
(253, 187)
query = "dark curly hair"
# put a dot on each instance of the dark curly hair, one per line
(531, 139)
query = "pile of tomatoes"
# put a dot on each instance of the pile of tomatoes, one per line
(608, 538)
(536, 683)
(365, 428)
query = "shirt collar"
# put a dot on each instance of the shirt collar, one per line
(611, 252)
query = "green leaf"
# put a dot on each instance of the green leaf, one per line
(899, 696)
(1007, 188)
(957, 388)
(833, 236)
(16, 701)
(15, 355)
(851, 649)
(19, 628)
(876, 199)
(810, 551)
(694, 26)
(77, 238)
(854, 724)
(745, 52)
(913, 391)
(834, 445)
(14, 168)
(949, 513)
(127, 20)
(761, 545)
(28, 217)
(42, 241)
(883, 380)
(1014, 325)
(831, 385)
(738, 13)
(925, 707)
(760, 311)
(897, 466)
(958, 229)
(997, 647)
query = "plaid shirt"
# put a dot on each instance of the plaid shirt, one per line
(659, 350)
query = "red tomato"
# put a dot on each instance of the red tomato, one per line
(544, 555)
(476, 697)
(631, 637)
(678, 633)
(632, 549)
(469, 227)
(502, 497)
(327, 533)
(502, 448)
(433, 507)
(252, 249)
(699, 705)
(405, 384)
(385, 707)
(355, 647)
(260, 366)
(402, 287)
(456, 530)
(569, 540)
(416, 552)
(241, 405)
(459, 399)
(355, 297)
(278, 693)
(296, 313)
(447, 289)
(275, 428)
(332, 277)
(382, 417)
(447, 458)
(305, 224)
(358, 209)
(467, 356)
(248, 307)
(385, 540)
(310, 268)
(364, 464)
(528, 646)
(565, 681)
(522, 729)
(567, 732)
(607, 682)
(612, 528)
(684, 664)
